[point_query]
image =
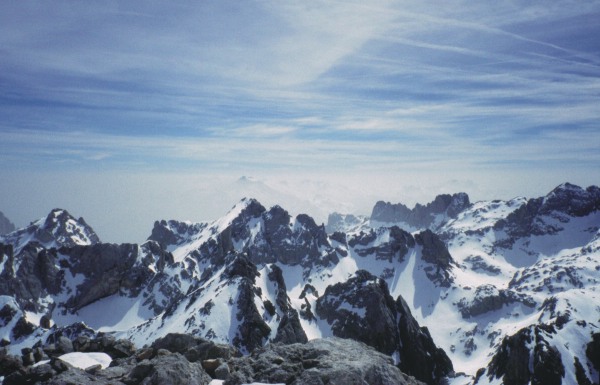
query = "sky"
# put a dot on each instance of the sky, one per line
(124, 112)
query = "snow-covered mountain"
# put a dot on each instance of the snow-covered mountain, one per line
(500, 291)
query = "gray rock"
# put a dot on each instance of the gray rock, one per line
(167, 233)
(592, 351)
(289, 329)
(511, 362)
(9, 363)
(64, 345)
(222, 372)
(174, 369)
(436, 253)
(566, 199)
(420, 216)
(488, 298)
(419, 356)
(342, 222)
(322, 361)
(362, 309)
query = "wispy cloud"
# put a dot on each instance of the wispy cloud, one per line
(350, 87)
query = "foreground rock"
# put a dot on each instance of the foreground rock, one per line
(185, 359)
(332, 361)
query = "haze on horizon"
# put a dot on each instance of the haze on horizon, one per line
(127, 112)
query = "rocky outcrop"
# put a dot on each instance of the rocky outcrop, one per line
(291, 245)
(167, 233)
(592, 351)
(434, 251)
(106, 269)
(36, 276)
(419, 356)
(564, 201)
(185, 359)
(489, 298)
(6, 226)
(331, 361)
(395, 247)
(289, 330)
(173, 359)
(527, 357)
(444, 207)
(362, 309)
(109, 269)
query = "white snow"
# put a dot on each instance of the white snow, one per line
(85, 360)
(124, 313)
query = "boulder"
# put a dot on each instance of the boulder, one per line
(332, 361)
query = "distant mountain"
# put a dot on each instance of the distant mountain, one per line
(57, 229)
(432, 215)
(502, 291)
(6, 226)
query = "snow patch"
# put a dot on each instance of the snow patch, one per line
(85, 360)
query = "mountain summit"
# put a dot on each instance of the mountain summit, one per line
(57, 229)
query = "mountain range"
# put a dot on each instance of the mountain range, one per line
(450, 292)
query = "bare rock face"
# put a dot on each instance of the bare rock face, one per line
(422, 217)
(110, 268)
(395, 248)
(564, 201)
(331, 361)
(269, 236)
(289, 330)
(362, 309)
(436, 253)
(488, 298)
(512, 361)
(592, 351)
(419, 356)
(172, 232)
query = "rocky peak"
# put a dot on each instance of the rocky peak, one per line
(362, 309)
(564, 201)
(433, 214)
(66, 230)
(6, 226)
(572, 200)
(58, 229)
(245, 210)
(276, 220)
(174, 232)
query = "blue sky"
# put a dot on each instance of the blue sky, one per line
(414, 97)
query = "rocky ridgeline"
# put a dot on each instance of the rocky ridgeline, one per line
(362, 309)
(185, 359)
(433, 214)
